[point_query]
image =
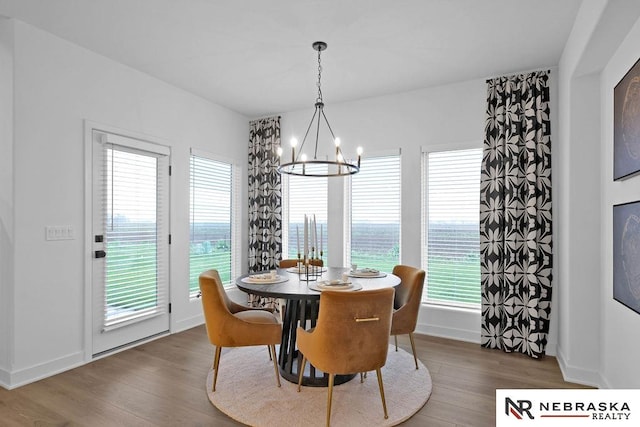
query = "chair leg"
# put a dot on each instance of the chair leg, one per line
(361, 377)
(269, 350)
(304, 362)
(216, 365)
(396, 338)
(413, 347)
(272, 349)
(384, 402)
(329, 397)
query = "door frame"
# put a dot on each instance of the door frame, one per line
(89, 127)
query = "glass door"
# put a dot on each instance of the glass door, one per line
(130, 241)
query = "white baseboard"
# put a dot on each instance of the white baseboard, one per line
(551, 350)
(451, 333)
(4, 378)
(184, 324)
(462, 335)
(11, 380)
(449, 322)
(579, 375)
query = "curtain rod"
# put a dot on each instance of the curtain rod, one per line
(528, 72)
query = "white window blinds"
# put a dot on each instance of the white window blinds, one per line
(303, 195)
(451, 211)
(375, 214)
(213, 228)
(134, 188)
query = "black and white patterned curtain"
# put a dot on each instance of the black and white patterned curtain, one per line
(265, 199)
(515, 215)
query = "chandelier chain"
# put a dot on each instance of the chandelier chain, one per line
(319, 99)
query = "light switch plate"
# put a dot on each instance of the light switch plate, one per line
(59, 232)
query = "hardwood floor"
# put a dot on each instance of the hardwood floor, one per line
(161, 383)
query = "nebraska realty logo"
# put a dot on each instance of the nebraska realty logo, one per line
(567, 407)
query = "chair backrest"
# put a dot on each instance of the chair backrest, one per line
(410, 290)
(288, 263)
(215, 304)
(352, 332)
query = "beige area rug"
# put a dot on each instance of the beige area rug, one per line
(247, 392)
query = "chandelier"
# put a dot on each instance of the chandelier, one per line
(300, 164)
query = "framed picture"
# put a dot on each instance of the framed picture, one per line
(626, 124)
(626, 254)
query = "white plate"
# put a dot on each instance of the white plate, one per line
(366, 272)
(334, 285)
(263, 279)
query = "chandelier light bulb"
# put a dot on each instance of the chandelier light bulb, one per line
(293, 142)
(303, 157)
(279, 151)
(359, 151)
(337, 142)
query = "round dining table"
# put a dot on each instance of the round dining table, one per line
(302, 303)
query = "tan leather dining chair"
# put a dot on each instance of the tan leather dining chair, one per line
(288, 263)
(233, 325)
(351, 336)
(406, 304)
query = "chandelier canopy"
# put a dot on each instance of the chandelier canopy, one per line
(300, 164)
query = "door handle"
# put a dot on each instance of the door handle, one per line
(100, 254)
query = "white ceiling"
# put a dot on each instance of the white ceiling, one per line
(255, 56)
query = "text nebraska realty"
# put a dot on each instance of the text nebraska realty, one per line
(598, 410)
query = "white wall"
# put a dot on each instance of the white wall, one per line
(57, 85)
(620, 325)
(577, 212)
(6, 193)
(439, 116)
(597, 343)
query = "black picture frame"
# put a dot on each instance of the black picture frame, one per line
(626, 124)
(626, 254)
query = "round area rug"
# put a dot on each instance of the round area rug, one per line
(247, 392)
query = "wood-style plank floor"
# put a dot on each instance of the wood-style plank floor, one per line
(161, 383)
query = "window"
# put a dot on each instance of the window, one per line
(303, 195)
(133, 220)
(212, 219)
(451, 227)
(374, 220)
